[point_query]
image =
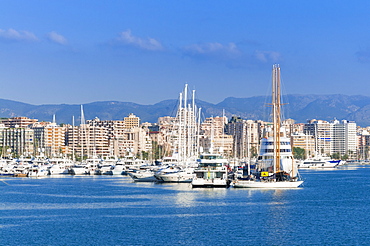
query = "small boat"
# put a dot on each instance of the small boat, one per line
(38, 171)
(59, 166)
(93, 165)
(128, 164)
(21, 170)
(143, 176)
(105, 169)
(119, 168)
(78, 169)
(175, 175)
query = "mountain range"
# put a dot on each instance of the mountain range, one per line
(298, 107)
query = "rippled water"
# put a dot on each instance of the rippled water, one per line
(333, 208)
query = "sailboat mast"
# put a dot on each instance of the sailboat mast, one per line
(276, 102)
(83, 133)
(180, 131)
(186, 124)
(194, 133)
(73, 137)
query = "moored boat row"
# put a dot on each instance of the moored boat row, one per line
(35, 167)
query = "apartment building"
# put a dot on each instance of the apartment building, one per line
(322, 131)
(49, 139)
(333, 137)
(107, 138)
(246, 134)
(363, 144)
(20, 141)
(213, 126)
(303, 141)
(131, 121)
(18, 122)
(344, 139)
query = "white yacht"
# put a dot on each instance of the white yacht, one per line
(105, 169)
(38, 171)
(78, 169)
(143, 176)
(128, 164)
(59, 166)
(212, 171)
(92, 165)
(175, 175)
(119, 168)
(320, 162)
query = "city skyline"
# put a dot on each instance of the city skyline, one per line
(144, 52)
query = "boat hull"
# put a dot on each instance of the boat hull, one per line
(210, 183)
(143, 177)
(175, 177)
(267, 184)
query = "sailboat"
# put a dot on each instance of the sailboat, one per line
(275, 167)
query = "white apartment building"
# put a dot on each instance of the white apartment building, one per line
(344, 138)
(333, 137)
(322, 131)
(20, 141)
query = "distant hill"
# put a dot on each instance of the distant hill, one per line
(298, 107)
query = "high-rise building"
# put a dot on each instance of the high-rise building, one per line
(131, 121)
(333, 137)
(107, 138)
(247, 135)
(49, 139)
(322, 132)
(344, 138)
(303, 141)
(19, 141)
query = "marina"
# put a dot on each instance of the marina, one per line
(168, 123)
(115, 210)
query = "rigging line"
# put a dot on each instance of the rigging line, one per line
(267, 115)
(175, 107)
(284, 96)
(4, 182)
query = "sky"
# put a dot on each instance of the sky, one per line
(76, 52)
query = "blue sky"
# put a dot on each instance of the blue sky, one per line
(77, 52)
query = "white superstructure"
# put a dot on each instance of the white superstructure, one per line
(211, 172)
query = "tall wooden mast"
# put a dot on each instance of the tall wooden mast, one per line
(276, 106)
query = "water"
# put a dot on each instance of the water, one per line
(333, 208)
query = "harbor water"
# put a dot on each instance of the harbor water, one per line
(332, 208)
